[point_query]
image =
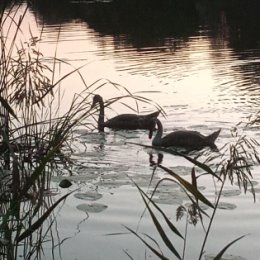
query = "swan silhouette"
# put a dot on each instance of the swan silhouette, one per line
(191, 140)
(125, 121)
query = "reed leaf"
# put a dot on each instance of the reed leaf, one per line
(161, 256)
(41, 220)
(193, 178)
(203, 166)
(220, 254)
(169, 223)
(200, 165)
(159, 228)
(39, 170)
(5, 104)
(198, 195)
(56, 83)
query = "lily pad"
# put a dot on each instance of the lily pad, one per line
(77, 178)
(225, 205)
(92, 208)
(230, 193)
(113, 183)
(173, 197)
(168, 200)
(88, 196)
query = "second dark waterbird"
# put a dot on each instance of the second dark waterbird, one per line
(191, 140)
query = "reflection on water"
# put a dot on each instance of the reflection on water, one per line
(201, 62)
(208, 50)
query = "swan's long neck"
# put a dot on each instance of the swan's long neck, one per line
(158, 137)
(101, 118)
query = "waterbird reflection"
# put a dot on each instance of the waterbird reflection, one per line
(159, 159)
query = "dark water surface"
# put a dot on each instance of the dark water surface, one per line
(200, 61)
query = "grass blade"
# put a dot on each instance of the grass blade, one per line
(220, 254)
(200, 165)
(198, 195)
(159, 228)
(171, 226)
(5, 104)
(40, 221)
(149, 246)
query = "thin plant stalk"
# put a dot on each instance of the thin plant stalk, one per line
(211, 220)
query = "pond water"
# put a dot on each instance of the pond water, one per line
(201, 64)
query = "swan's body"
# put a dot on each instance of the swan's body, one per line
(192, 140)
(124, 121)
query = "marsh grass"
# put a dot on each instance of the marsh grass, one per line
(35, 137)
(31, 141)
(232, 164)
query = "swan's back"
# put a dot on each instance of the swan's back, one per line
(132, 121)
(184, 139)
(189, 139)
(125, 121)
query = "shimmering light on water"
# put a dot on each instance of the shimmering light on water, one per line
(202, 82)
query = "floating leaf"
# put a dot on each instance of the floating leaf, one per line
(92, 208)
(88, 196)
(225, 205)
(168, 200)
(229, 193)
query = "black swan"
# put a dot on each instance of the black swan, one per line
(125, 121)
(184, 139)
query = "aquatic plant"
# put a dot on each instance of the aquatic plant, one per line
(35, 137)
(30, 144)
(233, 163)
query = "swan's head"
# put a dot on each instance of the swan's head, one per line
(96, 99)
